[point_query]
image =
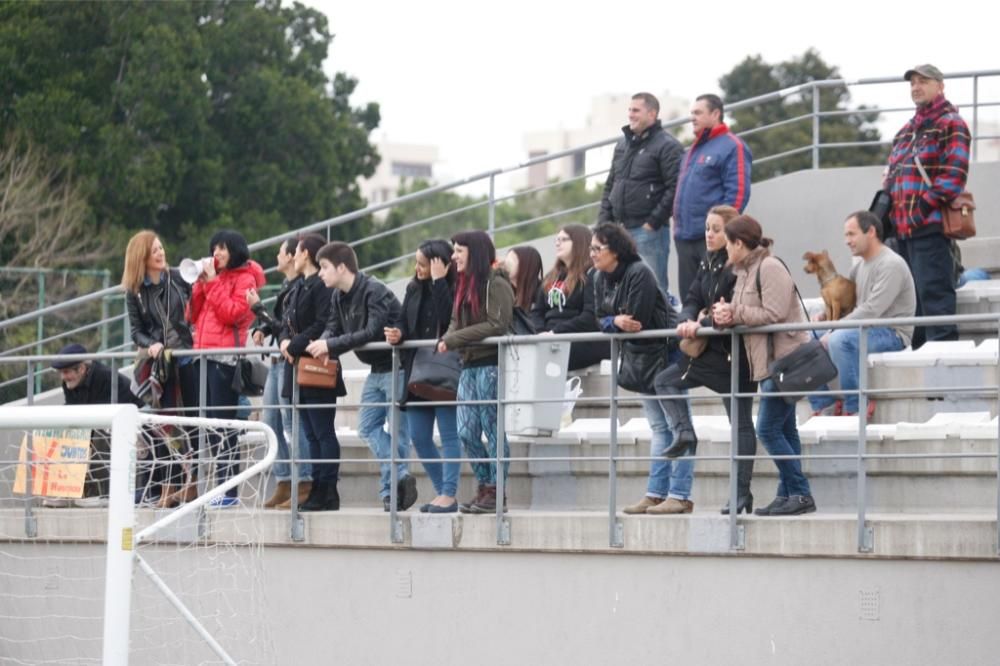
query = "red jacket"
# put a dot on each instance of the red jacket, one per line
(218, 306)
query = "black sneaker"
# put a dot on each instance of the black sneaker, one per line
(795, 505)
(775, 503)
(406, 492)
(385, 504)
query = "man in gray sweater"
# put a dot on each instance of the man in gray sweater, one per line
(885, 290)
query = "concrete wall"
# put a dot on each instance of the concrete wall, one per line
(361, 607)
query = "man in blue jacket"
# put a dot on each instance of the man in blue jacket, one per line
(715, 171)
(639, 192)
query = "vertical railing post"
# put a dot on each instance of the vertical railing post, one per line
(40, 326)
(296, 528)
(204, 460)
(105, 283)
(113, 364)
(737, 538)
(503, 524)
(865, 540)
(616, 530)
(997, 523)
(395, 524)
(815, 126)
(30, 521)
(975, 117)
(491, 210)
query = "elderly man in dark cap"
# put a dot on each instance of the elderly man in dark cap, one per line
(89, 383)
(928, 167)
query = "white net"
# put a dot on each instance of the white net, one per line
(198, 582)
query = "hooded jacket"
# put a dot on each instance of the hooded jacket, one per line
(219, 307)
(715, 170)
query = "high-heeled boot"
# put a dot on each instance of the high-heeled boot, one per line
(744, 498)
(685, 441)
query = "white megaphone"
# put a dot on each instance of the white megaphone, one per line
(191, 269)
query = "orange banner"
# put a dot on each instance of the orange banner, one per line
(63, 457)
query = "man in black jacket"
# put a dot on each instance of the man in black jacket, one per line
(639, 192)
(89, 383)
(360, 310)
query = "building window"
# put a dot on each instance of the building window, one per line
(411, 170)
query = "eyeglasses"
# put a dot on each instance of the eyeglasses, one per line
(563, 239)
(596, 249)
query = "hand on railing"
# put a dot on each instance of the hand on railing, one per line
(688, 329)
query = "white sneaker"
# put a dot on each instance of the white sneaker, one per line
(91, 502)
(56, 503)
(223, 502)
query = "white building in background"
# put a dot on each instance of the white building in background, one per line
(608, 113)
(400, 161)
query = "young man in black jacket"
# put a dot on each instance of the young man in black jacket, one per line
(361, 308)
(639, 192)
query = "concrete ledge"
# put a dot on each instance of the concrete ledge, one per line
(925, 536)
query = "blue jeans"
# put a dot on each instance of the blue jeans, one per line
(280, 421)
(221, 403)
(474, 421)
(372, 421)
(317, 427)
(654, 248)
(667, 478)
(777, 431)
(933, 270)
(444, 476)
(843, 346)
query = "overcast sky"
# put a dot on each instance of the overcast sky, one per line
(472, 78)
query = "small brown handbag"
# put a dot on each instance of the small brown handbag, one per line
(958, 216)
(313, 373)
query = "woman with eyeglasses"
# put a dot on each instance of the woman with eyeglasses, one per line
(566, 301)
(628, 300)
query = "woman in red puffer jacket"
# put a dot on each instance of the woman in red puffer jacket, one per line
(221, 317)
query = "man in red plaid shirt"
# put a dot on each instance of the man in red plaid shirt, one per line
(940, 139)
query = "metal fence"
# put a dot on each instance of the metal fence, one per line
(615, 527)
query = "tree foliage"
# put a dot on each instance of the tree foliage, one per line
(753, 76)
(185, 117)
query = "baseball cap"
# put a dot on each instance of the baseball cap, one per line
(930, 71)
(75, 348)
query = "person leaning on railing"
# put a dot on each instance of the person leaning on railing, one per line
(713, 367)
(566, 301)
(484, 307)
(425, 315)
(774, 303)
(280, 420)
(221, 317)
(306, 312)
(156, 298)
(627, 300)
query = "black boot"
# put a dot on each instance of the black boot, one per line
(744, 503)
(332, 497)
(317, 499)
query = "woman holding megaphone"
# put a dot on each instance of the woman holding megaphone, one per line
(156, 297)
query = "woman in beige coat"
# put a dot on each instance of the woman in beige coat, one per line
(765, 294)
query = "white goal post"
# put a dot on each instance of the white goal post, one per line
(125, 423)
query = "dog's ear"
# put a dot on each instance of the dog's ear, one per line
(825, 254)
(809, 256)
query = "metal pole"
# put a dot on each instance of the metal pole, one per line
(106, 282)
(865, 543)
(503, 525)
(815, 123)
(975, 117)
(297, 528)
(395, 524)
(114, 380)
(41, 327)
(491, 222)
(997, 523)
(616, 530)
(736, 534)
(30, 522)
(203, 453)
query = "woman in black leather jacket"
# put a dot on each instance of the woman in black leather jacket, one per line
(156, 297)
(711, 368)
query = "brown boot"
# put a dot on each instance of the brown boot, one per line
(643, 505)
(672, 506)
(167, 499)
(466, 507)
(282, 492)
(305, 487)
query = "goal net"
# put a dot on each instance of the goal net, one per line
(131, 538)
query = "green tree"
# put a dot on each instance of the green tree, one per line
(754, 77)
(185, 117)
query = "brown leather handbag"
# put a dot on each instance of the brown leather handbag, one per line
(313, 373)
(958, 217)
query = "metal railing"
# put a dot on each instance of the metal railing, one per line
(615, 526)
(492, 200)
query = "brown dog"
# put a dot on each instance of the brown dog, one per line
(838, 292)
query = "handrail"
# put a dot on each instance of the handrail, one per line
(490, 175)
